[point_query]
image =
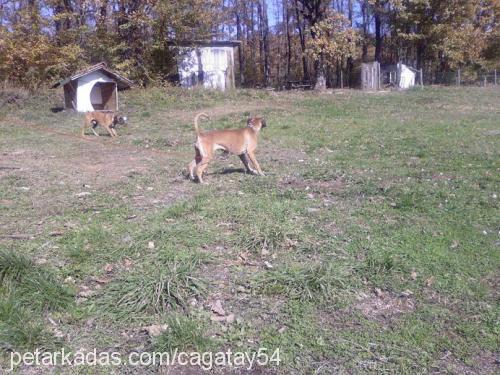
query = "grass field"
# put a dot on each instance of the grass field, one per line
(371, 245)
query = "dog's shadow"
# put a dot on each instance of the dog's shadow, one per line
(233, 170)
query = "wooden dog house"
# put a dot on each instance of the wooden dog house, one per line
(93, 89)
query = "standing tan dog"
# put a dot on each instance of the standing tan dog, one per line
(241, 142)
(108, 120)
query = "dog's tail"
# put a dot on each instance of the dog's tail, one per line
(196, 128)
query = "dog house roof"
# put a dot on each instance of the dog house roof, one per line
(122, 82)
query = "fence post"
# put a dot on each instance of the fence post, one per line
(485, 80)
(495, 77)
(421, 78)
(458, 77)
(341, 79)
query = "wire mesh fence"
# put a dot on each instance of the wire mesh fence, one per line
(459, 77)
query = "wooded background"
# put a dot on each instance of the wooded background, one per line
(282, 40)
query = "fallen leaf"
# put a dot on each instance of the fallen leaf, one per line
(406, 293)
(413, 275)
(108, 267)
(156, 329)
(85, 292)
(151, 245)
(127, 263)
(217, 308)
(429, 281)
(83, 194)
(58, 333)
(230, 318)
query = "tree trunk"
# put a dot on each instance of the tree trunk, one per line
(320, 84)
(267, 70)
(264, 40)
(286, 11)
(302, 38)
(350, 64)
(364, 16)
(241, 52)
(378, 34)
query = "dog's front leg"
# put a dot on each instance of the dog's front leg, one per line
(255, 163)
(191, 168)
(245, 160)
(108, 128)
(201, 167)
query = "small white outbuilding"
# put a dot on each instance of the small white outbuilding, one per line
(398, 75)
(93, 89)
(406, 76)
(209, 64)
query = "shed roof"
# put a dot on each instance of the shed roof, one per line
(204, 43)
(122, 82)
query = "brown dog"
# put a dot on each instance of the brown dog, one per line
(108, 120)
(241, 142)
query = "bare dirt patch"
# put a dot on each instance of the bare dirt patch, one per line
(485, 363)
(384, 306)
(65, 172)
(318, 186)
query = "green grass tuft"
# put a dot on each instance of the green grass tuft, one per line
(31, 285)
(167, 284)
(184, 333)
(304, 281)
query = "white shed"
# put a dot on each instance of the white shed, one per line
(398, 75)
(95, 88)
(406, 77)
(207, 64)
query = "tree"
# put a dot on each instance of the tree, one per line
(334, 41)
(313, 12)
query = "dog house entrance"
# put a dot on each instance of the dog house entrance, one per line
(103, 96)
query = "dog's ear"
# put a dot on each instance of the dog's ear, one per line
(263, 122)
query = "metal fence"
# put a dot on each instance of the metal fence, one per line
(481, 78)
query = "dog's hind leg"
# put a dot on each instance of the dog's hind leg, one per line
(196, 160)
(109, 131)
